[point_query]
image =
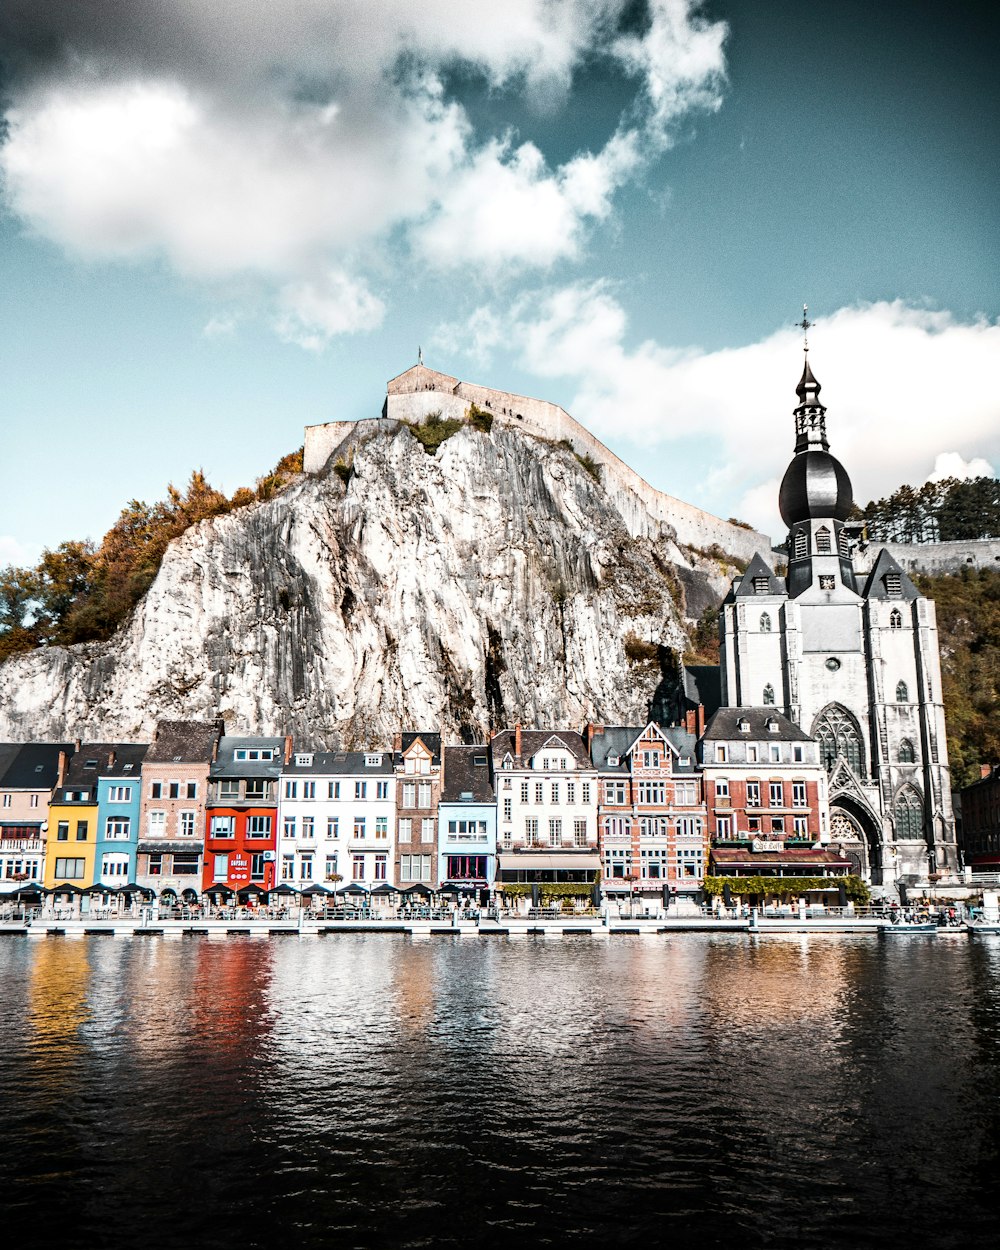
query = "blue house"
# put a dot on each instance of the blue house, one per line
(467, 821)
(119, 792)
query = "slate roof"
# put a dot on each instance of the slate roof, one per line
(78, 775)
(34, 765)
(184, 741)
(703, 685)
(875, 586)
(339, 763)
(228, 766)
(758, 568)
(534, 740)
(724, 726)
(432, 741)
(618, 739)
(8, 754)
(463, 776)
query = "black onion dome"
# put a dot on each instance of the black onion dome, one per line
(815, 485)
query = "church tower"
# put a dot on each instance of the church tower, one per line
(847, 648)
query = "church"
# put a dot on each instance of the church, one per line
(846, 647)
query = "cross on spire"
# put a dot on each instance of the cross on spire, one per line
(806, 325)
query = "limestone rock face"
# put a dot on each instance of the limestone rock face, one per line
(489, 583)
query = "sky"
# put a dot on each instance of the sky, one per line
(220, 223)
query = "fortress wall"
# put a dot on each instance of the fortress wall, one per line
(645, 510)
(321, 441)
(982, 553)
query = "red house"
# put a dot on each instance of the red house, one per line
(241, 813)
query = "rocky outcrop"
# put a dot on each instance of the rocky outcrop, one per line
(491, 582)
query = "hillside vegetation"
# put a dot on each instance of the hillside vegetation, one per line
(951, 510)
(82, 592)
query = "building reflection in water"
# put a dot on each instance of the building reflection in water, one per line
(57, 1009)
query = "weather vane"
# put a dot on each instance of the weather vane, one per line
(806, 325)
(420, 355)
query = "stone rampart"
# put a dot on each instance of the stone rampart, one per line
(952, 557)
(646, 511)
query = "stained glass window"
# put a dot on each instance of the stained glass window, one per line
(838, 738)
(908, 815)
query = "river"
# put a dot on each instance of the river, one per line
(374, 1090)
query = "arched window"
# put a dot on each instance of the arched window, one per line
(838, 736)
(895, 619)
(768, 695)
(823, 543)
(902, 693)
(765, 623)
(907, 755)
(908, 815)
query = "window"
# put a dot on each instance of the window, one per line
(685, 793)
(721, 754)
(70, 869)
(381, 789)
(524, 792)
(769, 695)
(309, 789)
(585, 792)
(838, 737)
(690, 826)
(801, 544)
(81, 830)
(309, 827)
(776, 794)
(902, 693)
(761, 585)
(405, 829)
(174, 790)
(570, 791)
(359, 826)
(555, 832)
(258, 826)
(690, 862)
(798, 794)
(539, 792)
(743, 725)
(253, 753)
(579, 833)
(117, 828)
(777, 824)
(186, 824)
(381, 864)
(722, 788)
(427, 829)
(187, 864)
(229, 788)
(303, 760)
(895, 619)
(287, 867)
(361, 789)
(288, 827)
(765, 623)
(291, 789)
(358, 867)
(508, 809)
(372, 760)
(798, 755)
(381, 826)
(893, 585)
(156, 821)
(256, 788)
(753, 794)
(409, 794)
(555, 792)
(257, 869)
(62, 831)
(331, 867)
(222, 827)
(800, 826)
(7, 800)
(119, 794)
(220, 867)
(824, 544)
(752, 753)
(908, 815)
(724, 826)
(907, 755)
(34, 801)
(156, 789)
(306, 868)
(651, 759)
(653, 793)
(333, 790)
(774, 753)
(332, 827)
(616, 793)
(531, 831)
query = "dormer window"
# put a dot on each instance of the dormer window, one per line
(772, 725)
(303, 760)
(373, 760)
(479, 761)
(894, 585)
(613, 761)
(743, 725)
(90, 764)
(761, 585)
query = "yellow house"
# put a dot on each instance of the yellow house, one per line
(70, 848)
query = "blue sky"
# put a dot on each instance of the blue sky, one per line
(245, 218)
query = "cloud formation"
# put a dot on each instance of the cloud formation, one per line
(909, 391)
(296, 141)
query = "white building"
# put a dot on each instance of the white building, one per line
(336, 815)
(546, 791)
(847, 648)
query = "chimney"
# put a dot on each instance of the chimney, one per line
(288, 749)
(442, 761)
(215, 747)
(77, 744)
(397, 741)
(985, 770)
(112, 756)
(63, 765)
(517, 741)
(701, 719)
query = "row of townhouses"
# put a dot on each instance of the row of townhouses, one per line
(629, 809)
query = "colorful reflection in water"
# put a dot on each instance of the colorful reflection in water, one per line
(377, 1091)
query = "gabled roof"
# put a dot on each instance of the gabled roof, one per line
(876, 586)
(432, 741)
(724, 726)
(535, 740)
(184, 741)
(757, 568)
(463, 775)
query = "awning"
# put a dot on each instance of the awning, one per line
(554, 863)
(171, 848)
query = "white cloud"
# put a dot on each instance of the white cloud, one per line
(898, 381)
(13, 551)
(309, 139)
(950, 464)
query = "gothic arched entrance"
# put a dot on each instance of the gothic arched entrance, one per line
(852, 826)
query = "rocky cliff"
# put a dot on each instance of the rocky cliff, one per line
(490, 582)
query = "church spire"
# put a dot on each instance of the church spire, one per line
(810, 415)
